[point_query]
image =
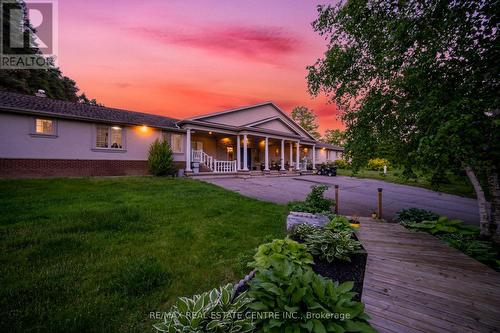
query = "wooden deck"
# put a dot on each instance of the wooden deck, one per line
(416, 283)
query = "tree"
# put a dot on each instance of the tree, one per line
(29, 81)
(334, 137)
(161, 160)
(307, 119)
(421, 79)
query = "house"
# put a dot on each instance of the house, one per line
(40, 136)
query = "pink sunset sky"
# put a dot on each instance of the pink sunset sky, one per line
(187, 57)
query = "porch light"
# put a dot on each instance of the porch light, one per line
(144, 128)
(116, 127)
(210, 132)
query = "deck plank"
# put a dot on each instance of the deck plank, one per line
(416, 283)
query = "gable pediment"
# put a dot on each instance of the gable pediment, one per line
(265, 116)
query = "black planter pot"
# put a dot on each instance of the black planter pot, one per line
(342, 271)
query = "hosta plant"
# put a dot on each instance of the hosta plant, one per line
(443, 225)
(281, 250)
(339, 223)
(329, 246)
(405, 216)
(303, 301)
(302, 231)
(215, 311)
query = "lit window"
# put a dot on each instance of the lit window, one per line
(176, 143)
(44, 126)
(109, 137)
(116, 137)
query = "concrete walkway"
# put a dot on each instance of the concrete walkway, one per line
(357, 196)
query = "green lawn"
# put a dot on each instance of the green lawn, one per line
(98, 255)
(457, 185)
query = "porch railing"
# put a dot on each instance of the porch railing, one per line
(225, 166)
(201, 157)
(214, 165)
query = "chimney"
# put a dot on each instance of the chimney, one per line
(40, 93)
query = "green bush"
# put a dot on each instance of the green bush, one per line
(377, 164)
(342, 164)
(405, 216)
(215, 311)
(315, 202)
(160, 160)
(281, 250)
(296, 293)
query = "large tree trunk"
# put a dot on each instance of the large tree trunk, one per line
(484, 221)
(494, 187)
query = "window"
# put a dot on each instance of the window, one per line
(109, 137)
(44, 127)
(176, 143)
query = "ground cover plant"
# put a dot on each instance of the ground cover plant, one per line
(98, 254)
(465, 238)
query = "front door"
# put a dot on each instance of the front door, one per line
(249, 157)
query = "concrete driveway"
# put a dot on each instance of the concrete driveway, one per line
(357, 196)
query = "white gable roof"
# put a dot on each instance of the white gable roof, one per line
(265, 116)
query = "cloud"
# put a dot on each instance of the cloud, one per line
(261, 44)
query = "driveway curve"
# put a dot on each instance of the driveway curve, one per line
(357, 196)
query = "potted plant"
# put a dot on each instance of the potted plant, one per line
(374, 215)
(337, 252)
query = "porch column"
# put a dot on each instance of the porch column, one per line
(291, 154)
(238, 153)
(314, 157)
(245, 157)
(266, 165)
(282, 155)
(298, 156)
(188, 150)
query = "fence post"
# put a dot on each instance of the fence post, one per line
(379, 203)
(336, 199)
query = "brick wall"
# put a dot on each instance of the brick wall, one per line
(26, 168)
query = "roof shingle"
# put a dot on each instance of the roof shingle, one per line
(43, 105)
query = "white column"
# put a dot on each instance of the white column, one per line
(314, 157)
(245, 157)
(238, 153)
(282, 155)
(266, 165)
(291, 154)
(188, 150)
(298, 156)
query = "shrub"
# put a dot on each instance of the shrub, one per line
(328, 245)
(160, 160)
(216, 311)
(281, 250)
(290, 289)
(405, 216)
(377, 164)
(315, 202)
(342, 164)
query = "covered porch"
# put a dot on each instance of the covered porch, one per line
(210, 151)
